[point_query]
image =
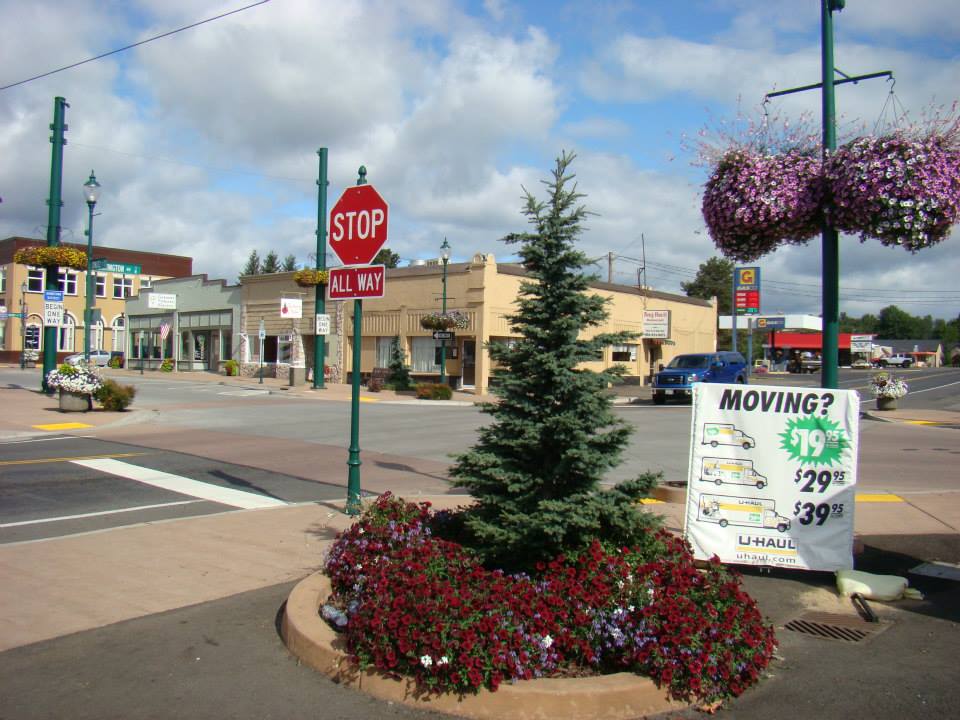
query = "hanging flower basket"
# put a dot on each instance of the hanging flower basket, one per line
(754, 202)
(309, 277)
(454, 319)
(897, 189)
(44, 256)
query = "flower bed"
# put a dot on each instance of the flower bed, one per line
(753, 202)
(898, 189)
(45, 256)
(411, 604)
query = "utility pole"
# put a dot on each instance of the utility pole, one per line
(54, 204)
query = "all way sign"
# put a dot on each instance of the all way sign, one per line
(356, 283)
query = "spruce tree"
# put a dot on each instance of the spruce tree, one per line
(271, 263)
(289, 263)
(399, 378)
(253, 264)
(536, 469)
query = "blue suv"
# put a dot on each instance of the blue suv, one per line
(677, 379)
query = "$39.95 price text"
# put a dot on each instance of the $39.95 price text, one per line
(808, 512)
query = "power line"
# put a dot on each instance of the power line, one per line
(136, 44)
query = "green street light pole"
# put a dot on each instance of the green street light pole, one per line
(353, 458)
(54, 204)
(830, 245)
(444, 258)
(91, 191)
(320, 342)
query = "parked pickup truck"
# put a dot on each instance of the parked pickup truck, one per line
(901, 361)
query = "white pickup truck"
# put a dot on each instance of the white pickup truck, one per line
(901, 361)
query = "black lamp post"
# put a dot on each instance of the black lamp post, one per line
(91, 191)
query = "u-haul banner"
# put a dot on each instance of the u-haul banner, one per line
(772, 475)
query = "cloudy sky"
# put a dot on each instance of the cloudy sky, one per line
(205, 141)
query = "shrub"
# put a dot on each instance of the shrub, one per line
(231, 368)
(433, 391)
(375, 384)
(399, 378)
(415, 605)
(114, 396)
(166, 365)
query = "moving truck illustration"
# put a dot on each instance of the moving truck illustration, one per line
(715, 434)
(731, 471)
(745, 512)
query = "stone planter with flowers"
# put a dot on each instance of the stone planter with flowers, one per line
(887, 389)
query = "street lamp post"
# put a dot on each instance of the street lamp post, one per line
(91, 191)
(23, 325)
(445, 258)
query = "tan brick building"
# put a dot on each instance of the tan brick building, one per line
(486, 292)
(21, 289)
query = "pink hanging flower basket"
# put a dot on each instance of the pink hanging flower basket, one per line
(901, 190)
(755, 202)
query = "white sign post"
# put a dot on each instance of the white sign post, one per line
(52, 313)
(772, 475)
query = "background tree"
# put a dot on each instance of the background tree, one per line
(895, 324)
(386, 257)
(289, 263)
(271, 263)
(536, 468)
(399, 378)
(253, 264)
(714, 278)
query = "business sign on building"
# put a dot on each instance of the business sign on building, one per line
(746, 290)
(770, 323)
(861, 343)
(772, 477)
(291, 308)
(656, 324)
(162, 301)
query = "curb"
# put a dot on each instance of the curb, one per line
(622, 696)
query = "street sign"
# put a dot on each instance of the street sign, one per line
(53, 296)
(746, 290)
(115, 267)
(263, 331)
(291, 308)
(358, 225)
(323, 324)
(444, 335)
(52, 313)
(356, 283)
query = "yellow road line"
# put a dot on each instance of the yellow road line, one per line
(926, 422)
(62, 426)
(878, 498)
(40, 461)
(366, 399)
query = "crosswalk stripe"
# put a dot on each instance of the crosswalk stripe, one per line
(182, 485)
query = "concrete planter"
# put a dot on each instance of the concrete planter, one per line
(886, 403)
(622, 696)
(75, 402)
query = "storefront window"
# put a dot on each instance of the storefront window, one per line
(624, 353)
(384, 351)
(65, 333)
(423, 355)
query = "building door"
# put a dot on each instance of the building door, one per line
(468, 364)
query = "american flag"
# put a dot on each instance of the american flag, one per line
(164, 331)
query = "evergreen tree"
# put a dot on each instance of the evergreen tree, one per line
(399, 378)
(271, 264)
(253, 264)
(387, 258)
(536, 469)
(289, 263)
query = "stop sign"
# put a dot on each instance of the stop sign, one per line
(358, 225)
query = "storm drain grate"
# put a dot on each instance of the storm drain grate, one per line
(830, 626)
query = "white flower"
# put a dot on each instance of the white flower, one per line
(620, 584)
(546, 642)
(358, 566)
(443, 660)
(426, 661)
